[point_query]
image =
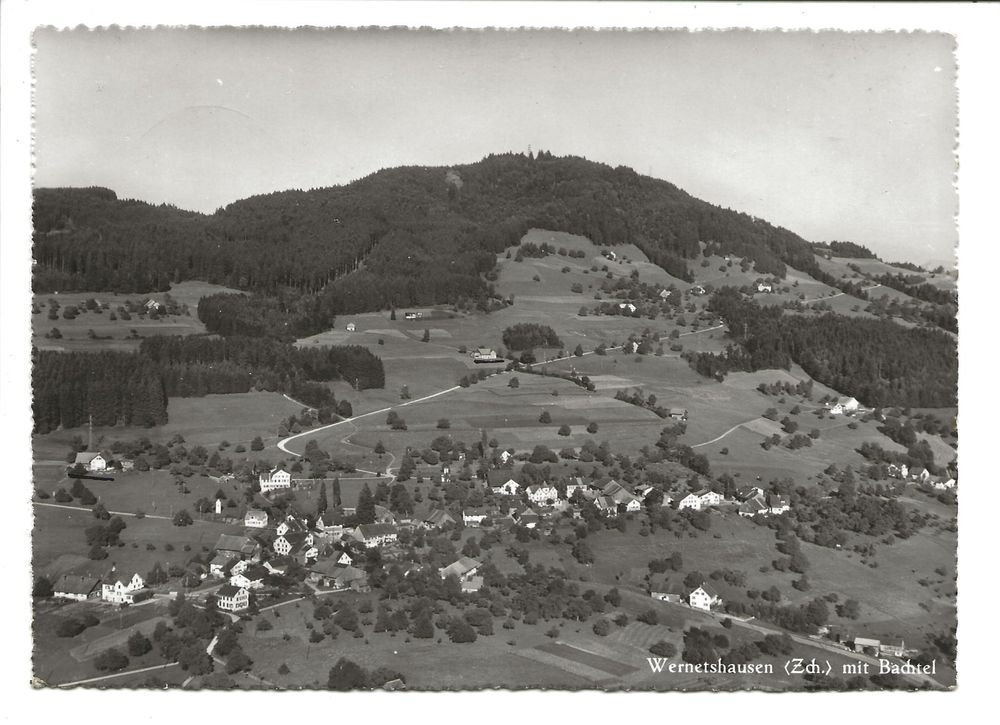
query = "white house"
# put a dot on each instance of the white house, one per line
(704, 597)
(350, 327)
(851, 405)
(505, 456)
(752, 507)
(92, 461)
(255, 519)
(698, 290)
(764, 287)
(125, 592)
(292, 543)
(474, 516)
(275, 479)
(664, 294)
(542, 493)
(626, 306)
(233, 599)
(291, 524)
(485, 354)
(345, 559)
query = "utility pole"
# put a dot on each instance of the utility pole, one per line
(90, 432)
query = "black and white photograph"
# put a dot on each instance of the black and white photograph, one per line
(401, 358)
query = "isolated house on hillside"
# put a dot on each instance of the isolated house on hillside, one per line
(92, 461)
(777, 505)
(704, 597)
(764, 287)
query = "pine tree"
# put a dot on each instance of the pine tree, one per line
(366, 506)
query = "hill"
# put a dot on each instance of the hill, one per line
(400, 237)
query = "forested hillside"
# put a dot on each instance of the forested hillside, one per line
(399, 237)
(877, 361)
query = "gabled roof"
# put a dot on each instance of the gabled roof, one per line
(370, 531)
(500, 477)
(74, 584)
(87, 456)
(754, 505)
(776, 501)
(255, 572)
(461, 567)
(708, 589)
(439, 517)
(228, 591)
(256, 512)
(230, 542)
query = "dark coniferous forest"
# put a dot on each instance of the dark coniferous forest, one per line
(877, 361)
(399, 237)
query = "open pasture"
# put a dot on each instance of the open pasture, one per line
(206, 421)
(116, 334)
(58, 531)
(511, 415)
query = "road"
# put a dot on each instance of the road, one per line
(830, 297)
(117, 674)
(720, 437)
(113, 513)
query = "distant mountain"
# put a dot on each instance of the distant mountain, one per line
(399, 237)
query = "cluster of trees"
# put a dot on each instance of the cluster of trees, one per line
(195, 366)
(916, 286)
(528, 335)
(845, 249)
(286, 315)
(116, 388)
(873, 360)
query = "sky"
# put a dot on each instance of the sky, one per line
(834, 135)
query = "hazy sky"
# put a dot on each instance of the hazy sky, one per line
(832, 135)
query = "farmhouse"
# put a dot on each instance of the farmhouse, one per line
(438, 518)
(233, 599)
(502, 483)
(678, 413)
(700, 500)
(745, 493)
(900, 471)
(464, 568)
(607, 506)
(474, 516)
(664, 294)
(863, 643)
(293, 542)
(91, 461)
(239, 546)
(697, 290)
(255, 519)
(764, 287)
(79, 588)
(275, 479)
(222, 563)
(372, 535)
(128, 592)
(542, 493)
(251, 577)
(626, 306)
(753, 507)
(485, 354)
(919, 473)
(577, 484)
(777, 505)
(153, 305)
(328, 574)
(506, 456)
(350, 327)
(704, 597)
(472, 584)
(620, 495)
